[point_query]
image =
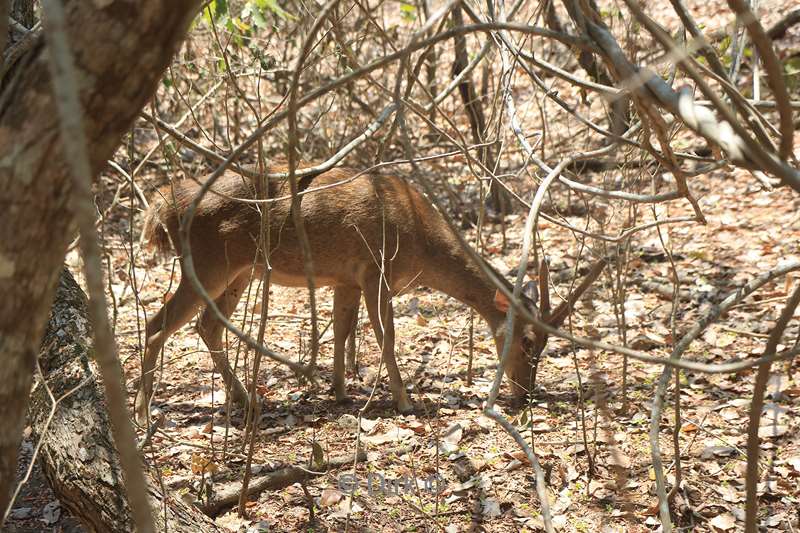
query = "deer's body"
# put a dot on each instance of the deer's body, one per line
(373, 235)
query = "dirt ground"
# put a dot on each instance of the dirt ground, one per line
(600, 481)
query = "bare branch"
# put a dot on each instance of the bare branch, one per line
(756, 406)
(774, 73)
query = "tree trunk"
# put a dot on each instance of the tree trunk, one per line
(499, 199)
(77, 454)
(619, 107)
(121, 49)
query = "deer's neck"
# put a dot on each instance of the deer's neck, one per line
(457, 274)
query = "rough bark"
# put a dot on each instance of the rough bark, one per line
(22, 11)
(121, 48)
(4, 11)
(77, 453)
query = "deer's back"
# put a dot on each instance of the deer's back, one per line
(356, 225)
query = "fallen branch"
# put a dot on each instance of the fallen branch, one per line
(274, 480)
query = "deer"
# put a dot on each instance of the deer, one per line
(371, 235)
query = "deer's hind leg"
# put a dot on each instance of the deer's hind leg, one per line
(345, 311)
(211, 328)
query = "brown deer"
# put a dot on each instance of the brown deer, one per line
(368, 234)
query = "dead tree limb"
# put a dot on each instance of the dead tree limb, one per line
(779, 29)
(474, 107)
(756, 408)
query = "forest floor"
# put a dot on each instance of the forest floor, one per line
(595, 452)
(596, 456)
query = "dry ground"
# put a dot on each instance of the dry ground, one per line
(486, 481)
(597, 456)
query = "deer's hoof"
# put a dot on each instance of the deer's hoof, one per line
(404, 406)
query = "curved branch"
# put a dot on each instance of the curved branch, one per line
(729, 134)
(774, 73)
(757, 405)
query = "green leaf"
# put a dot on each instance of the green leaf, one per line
(724, 44)
(221, 7)
(724, 57)
(242, 25)
(791, 71)
(523, 419)
(792, 66)
(272, 5)
(258, 19)
(408, 12)
(216, 10)
(317, 454)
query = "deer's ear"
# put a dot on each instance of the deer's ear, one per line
(531, 291)
(501, 301)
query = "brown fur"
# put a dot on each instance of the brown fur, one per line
(154, 233)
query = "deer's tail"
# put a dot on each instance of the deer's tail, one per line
(154, 232)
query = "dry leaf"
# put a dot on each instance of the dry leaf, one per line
(414, 425)
(330, 497)
(369, 425)
(392, 434)
(348, 422)
(491, 508)
(518, 455)
(619, 459)
(723, 522)
(728, 493)
(717, 451)
(201, 464)
(689, 427)
(453, 434)
(725, 339)
(772, 431)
